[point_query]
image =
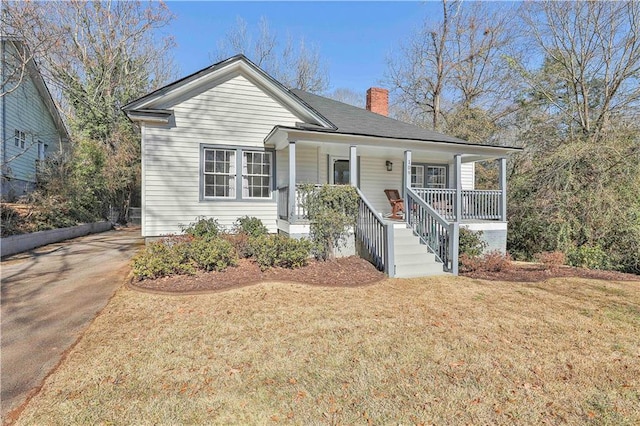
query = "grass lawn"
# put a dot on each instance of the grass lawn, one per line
(441, 350)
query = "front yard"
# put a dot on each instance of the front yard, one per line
(438, 350)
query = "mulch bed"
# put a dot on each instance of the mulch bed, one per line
(532, 272)
(344, 272)
(348, 272)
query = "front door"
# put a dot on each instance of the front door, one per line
(339, 171)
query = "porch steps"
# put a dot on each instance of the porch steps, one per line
(412, 259)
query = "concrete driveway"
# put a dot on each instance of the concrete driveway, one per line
(49, 296)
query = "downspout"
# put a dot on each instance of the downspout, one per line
(4, 110)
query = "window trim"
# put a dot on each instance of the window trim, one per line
(239, 174)
(20, 139)
(426, 167)
(242, 175)
(423, 175)
(205, 174)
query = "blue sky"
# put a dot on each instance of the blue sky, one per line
(354, 38)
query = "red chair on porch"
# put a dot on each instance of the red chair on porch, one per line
(397, 203)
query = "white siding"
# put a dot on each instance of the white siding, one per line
(468, 175)
(374, 179)
(26, 111)
(233, 113)
(307, 164)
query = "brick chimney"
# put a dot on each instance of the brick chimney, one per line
(378, 101)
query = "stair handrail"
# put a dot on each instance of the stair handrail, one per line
(438, 234)
(375, 235)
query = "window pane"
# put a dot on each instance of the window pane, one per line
(417, 176)
(257, 178)
(219, 180)
(341, 172)
(436, 177)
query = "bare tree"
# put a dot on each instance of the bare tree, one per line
(451, 71)
(348, 96)
(418, 74)
(295, 64)
(592, 60)
(99, 55)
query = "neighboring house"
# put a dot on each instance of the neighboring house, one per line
(32, 127)
(230, 141)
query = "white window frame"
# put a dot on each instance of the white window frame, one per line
(438, 185)
(246, 175)
(231, 173)
(415, 174)
(20, 138)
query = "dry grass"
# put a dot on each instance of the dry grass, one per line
(442, 350)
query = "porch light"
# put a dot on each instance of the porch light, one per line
(389, 165)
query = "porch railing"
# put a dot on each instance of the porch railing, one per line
(476, 204)
(300, 212)
(375, 235)
(481, 204)
(434, 230)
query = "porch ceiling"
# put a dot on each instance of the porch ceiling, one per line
(335, 143)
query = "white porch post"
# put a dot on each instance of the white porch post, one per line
(407, 175)
(353, 166)
(457, 166)
(292, 181)
(503, 189)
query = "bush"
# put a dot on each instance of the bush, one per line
(494, 261)
(587, 256)
(471, 243)
(551, 259)
(162, 258)
(213, 255)
(203, 227)
(11, 222)
(251, 226)
(278, 250)
(240, 243)
(332, 211)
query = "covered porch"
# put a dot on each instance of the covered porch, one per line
(434, 179)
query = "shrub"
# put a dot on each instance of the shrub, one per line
(587, 256)
(278, 250)
(332, 211)
(213, 255)
(551, 259)
(251, 226)
(493, 261)
(11, 222)
(162, 258)
(203, 227)
(240, 243)
(471, 243)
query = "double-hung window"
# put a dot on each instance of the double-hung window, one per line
(219, 173)
(256, 174)
(417, 176)
(20, 138)
(436, 176)
(237, 173)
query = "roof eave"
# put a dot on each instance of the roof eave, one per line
(185, 84)
(280, 135)
(41, 86)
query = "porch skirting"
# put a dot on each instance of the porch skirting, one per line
(494, 234)
(298, 231)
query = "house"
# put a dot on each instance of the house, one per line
(229, 141)
(32, 127)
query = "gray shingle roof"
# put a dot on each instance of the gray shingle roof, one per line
(354, 120)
